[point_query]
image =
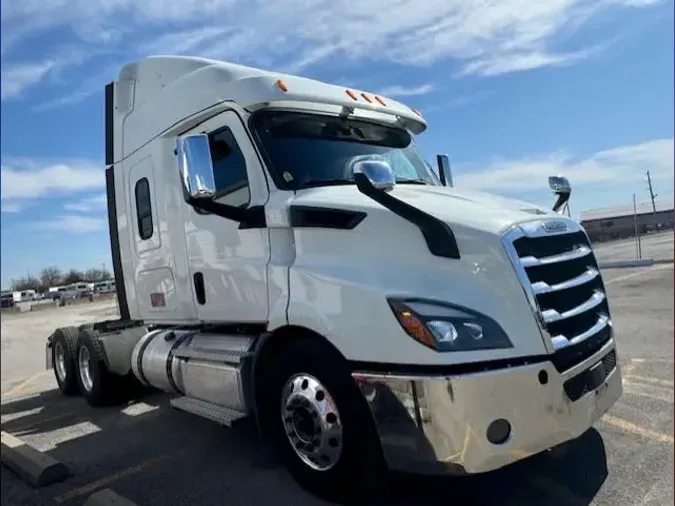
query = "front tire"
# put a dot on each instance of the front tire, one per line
(321, 425)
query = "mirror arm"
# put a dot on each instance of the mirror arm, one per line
(562, 198)
(438, 235)
(252, 217)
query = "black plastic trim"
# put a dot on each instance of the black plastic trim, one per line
(325, 217)
(441, 172)
(200, 290)
(255, 219)
(118, 273)
(252, 217)
(446, 370)
(438, 235)
(109, 124)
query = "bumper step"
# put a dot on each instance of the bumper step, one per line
(215, 413)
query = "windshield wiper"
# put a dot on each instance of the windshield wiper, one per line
(323, 182)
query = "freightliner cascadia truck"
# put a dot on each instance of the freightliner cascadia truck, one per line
(282, 250)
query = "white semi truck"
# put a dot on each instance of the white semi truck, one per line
(282, 250)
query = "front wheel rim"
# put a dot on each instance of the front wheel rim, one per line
(312, 422)
(84, 362)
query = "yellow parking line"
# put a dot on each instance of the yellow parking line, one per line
(637, 430)
(627, 369)
(112, 478)
(18, 388)
(654, 381)
(652, 360)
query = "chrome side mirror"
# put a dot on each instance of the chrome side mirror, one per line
(378, 172)
(561, 187)
(444, 172)
(559, 184)
(195, 165)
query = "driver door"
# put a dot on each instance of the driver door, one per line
(228, 264)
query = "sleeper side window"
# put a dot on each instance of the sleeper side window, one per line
(229, 169)
(143, 208)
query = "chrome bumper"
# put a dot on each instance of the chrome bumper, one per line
(434, 425)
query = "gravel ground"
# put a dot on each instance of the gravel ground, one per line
(23, 336)
(159, 457)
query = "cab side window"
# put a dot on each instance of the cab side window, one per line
(229, 169)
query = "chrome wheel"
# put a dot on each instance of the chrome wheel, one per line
(84, 366)
(60, 361)
(312, 422)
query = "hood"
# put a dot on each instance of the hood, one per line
(477, 210)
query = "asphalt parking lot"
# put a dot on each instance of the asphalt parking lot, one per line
(156, 456)
(655, 246)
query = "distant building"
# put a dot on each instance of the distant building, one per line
(619, 222)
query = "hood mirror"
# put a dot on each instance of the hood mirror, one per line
(378, 172)
(561, 187)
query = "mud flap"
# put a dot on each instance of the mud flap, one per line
(48, 354)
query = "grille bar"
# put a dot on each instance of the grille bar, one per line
(562, 341)
(551, 315)
(543, 287)
(557, 269)
(579, 252)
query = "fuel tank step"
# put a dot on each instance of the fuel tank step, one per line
(219, 414)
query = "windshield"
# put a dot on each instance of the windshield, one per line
(306, 150)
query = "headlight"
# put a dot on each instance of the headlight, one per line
(445, 327)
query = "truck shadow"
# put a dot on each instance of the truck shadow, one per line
(155, 455)
(570, 479)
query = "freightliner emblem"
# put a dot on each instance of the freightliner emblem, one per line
(555, 226)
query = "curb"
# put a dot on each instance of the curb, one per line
(624, 264)
(107, 497)
(33, 466)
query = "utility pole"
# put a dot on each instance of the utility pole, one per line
(638, 245)
(651, 192)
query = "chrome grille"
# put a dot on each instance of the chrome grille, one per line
(560, 276)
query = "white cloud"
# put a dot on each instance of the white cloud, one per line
(486, 37)
(406, 91)
(72, 223)
(88, 204)
(16, 78)
(24, 178)
(624, 164)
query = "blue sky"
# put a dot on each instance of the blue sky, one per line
(513, 90)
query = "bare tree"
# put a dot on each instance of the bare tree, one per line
(73, 276)
(96, 275)
(25, 283)
(92, 274)
(51, 276)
